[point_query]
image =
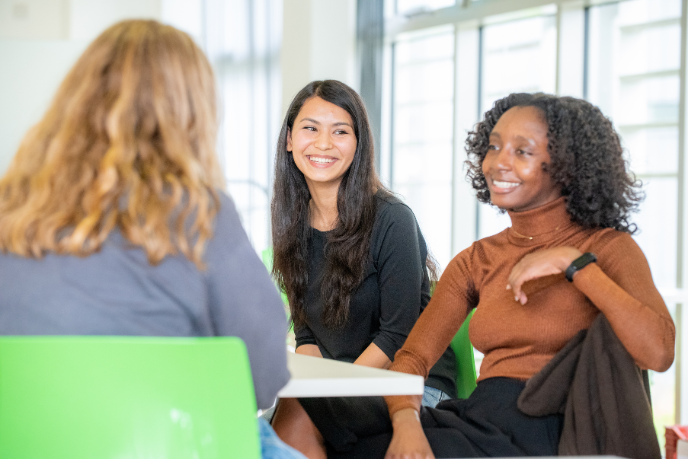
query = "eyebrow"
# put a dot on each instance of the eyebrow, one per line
(338, 123)
(520, 137)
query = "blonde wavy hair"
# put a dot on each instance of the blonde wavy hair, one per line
(127, 143)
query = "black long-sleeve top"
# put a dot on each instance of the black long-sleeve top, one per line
(384, 308)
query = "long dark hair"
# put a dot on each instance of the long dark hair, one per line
(586, 159)
(348, 244)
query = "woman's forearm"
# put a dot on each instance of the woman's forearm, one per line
(373, 356)
(309, 349)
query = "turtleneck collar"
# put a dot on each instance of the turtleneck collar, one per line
(531, 226)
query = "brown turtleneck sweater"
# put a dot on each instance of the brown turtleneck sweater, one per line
(518, 340)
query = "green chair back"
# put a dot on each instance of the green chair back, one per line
(465, 360)
(267, 257)
(121, 397)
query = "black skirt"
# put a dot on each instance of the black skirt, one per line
(487, 424)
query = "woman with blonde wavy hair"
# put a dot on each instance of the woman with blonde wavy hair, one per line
(112, 218)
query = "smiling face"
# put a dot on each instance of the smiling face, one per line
(513, 165)
(322, 142)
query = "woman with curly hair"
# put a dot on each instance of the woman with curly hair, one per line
(112, 216)
(347, 252)
(555, 165)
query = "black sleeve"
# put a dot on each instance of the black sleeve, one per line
(244, 302)
(400, 267)
(304, 335)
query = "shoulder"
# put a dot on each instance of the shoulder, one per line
(228, 230)
(621, 259)
(480, 254)
(395, 225)
(614, 245)
(227, 214)
(496, 239)
(609, 240)
(491, 244)
(463, 260)
(226, 203)
(391, 209)
(616, 251)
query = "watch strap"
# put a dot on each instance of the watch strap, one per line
(578, 264)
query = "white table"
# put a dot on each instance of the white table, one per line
(316, 377)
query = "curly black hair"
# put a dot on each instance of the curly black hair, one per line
(586, 159)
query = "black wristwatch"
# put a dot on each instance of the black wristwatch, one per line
(579, 263)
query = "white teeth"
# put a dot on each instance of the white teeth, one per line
(499, 184)
(321, 160)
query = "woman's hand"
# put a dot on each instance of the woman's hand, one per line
(540, 264)
(408, 441)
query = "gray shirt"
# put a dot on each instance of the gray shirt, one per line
(117, 292)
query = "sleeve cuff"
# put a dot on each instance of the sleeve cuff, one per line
(387, 345)
(399, 402)
(308, 340)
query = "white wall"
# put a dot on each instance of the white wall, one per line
(39, 41)
(34, 19)
(69, 19)
(318, 43)
(30, 73)
(87, 18)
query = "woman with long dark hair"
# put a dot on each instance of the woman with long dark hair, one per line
(555, 164)
(349, 255)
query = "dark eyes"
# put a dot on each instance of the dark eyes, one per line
(492, 147)
(337, 132)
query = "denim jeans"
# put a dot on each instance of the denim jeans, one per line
(432, 396)
(271, 445)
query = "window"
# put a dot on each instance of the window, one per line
(242, 41)
(423, 113)
(633, 76)
(410, 7)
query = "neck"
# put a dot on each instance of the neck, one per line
(536, 223)
(323, 206)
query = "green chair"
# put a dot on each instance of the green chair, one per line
(93, 397)
(465, 360)
(267, 257)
